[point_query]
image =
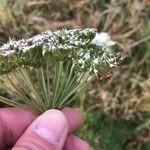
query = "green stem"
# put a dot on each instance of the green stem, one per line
(58, 72)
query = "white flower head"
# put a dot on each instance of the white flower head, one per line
(103, 39)
(88, 50)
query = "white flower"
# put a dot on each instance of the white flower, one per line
(76, 42)
(37, 38)
(82, 66)
(63, 37)
(95, 71)
(87, 55)
(95, 61)
(80, 52)
(11, 41)
(81, 61)
(103, 39)
(8, 53)
(111, 65)
(27, 48)
(111, 60)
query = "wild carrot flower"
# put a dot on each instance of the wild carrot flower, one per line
(84, 51)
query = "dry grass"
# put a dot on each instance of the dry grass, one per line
(129, 98)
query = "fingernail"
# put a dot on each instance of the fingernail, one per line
(51, 126)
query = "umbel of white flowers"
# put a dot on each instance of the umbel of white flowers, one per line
(88, 50)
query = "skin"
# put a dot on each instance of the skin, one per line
(19, 130)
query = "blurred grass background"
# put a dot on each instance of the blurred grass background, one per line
(116, 109)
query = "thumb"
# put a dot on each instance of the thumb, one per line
(48, 131)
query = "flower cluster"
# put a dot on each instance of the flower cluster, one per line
(49, 41)
(90, 51)
(98, 55)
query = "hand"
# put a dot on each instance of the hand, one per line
(23, 130)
